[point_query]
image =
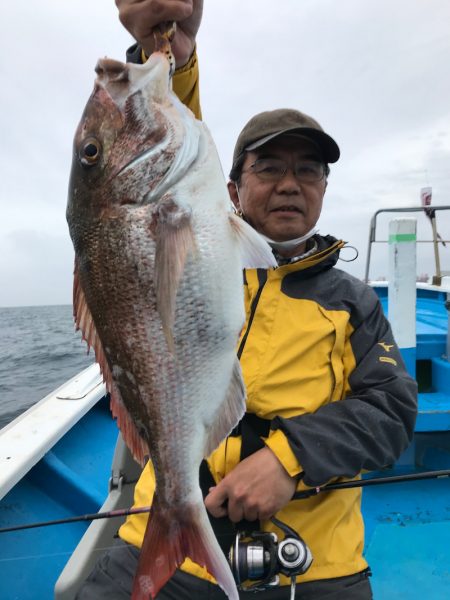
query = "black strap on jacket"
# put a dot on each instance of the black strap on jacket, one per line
(262, 280)
(223, 528)
(252, 428)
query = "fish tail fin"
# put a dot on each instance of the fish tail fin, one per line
(171, 536)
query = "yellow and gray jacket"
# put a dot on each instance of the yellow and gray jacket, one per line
(321, 367)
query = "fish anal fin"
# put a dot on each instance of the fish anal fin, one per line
(172, 535)
(255, 252)
(85, 323)
(172, 228)
(230, 412)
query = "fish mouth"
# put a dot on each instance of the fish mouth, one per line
(110, 70)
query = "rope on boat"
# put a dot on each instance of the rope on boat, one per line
(297, 496)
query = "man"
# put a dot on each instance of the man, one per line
(322, 404)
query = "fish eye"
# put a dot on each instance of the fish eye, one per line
(90, 151)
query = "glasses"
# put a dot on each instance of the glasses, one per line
(274, 169)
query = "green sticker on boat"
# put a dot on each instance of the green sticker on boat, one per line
(402, 237)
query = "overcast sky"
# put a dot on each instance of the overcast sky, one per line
(374, 73)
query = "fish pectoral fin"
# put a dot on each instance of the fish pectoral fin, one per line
(255, 252)
(85, 323)
(172, 228)
(230, 412)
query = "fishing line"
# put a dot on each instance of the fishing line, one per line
(53, 554)
(36, 556)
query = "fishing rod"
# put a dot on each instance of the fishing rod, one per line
(442, 474)
(371, 482)
(110, 514)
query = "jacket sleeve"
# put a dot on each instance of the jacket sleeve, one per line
(374, 423)
(185, 79)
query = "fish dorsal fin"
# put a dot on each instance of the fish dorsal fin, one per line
(172, 228)
(255, 252)
(85, 323)
(230, 413)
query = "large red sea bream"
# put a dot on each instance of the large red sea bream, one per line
(158, 295)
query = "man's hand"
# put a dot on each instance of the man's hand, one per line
(257, 488)
(140, 17)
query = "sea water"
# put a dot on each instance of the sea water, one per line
(39, 351)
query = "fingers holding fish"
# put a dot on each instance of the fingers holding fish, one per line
(257, 488)
(141, 17)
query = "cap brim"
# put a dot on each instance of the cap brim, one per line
(327, 146)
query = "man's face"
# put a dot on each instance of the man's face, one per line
(285, 209)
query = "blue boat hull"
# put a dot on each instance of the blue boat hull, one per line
(70, 480)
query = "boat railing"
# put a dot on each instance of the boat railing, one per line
(429, 212)
(24, 441)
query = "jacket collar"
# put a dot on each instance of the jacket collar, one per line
(325, 257)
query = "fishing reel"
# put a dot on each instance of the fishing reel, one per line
(256, 559)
